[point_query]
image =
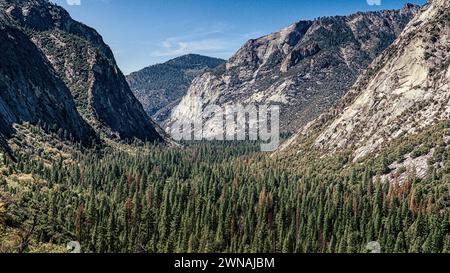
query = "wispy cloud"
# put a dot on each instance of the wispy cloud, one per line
(208, 40)
(198, 46)
(252, 35)
(73, 2)
(214, 29)
(374, 2)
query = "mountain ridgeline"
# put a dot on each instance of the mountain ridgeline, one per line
(404, 91)
(403, 95)
(160, 87)
(58, 71)
(31, 90)
(306, 67)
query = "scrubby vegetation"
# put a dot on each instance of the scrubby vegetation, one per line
(76, 73)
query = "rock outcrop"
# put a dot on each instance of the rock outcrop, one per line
(305, 68)
(406, 89)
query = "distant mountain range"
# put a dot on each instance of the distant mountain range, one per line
(305, 67)
(59, 72)
(160, 87)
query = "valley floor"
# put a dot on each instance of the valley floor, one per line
(221, 197)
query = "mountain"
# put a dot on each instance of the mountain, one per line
(31, 90)
(160, 87)
(85, 65)
(403, 92)
(305, 67)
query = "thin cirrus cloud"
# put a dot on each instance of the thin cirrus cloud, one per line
(374, 2)
(205, 41)
(171, 48)
(73, 2)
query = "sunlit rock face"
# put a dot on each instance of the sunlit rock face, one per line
(305, 68)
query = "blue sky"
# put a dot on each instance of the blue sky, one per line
(145, 32)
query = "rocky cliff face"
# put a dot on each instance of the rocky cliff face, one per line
(305, 67)
(31, 91)
(160, 87)
(405, 90)
(87, 67)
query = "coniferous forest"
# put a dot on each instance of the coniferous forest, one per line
(220, 197)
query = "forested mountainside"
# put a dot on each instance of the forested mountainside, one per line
(160, 87)
(305, 67)
(84, 64)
